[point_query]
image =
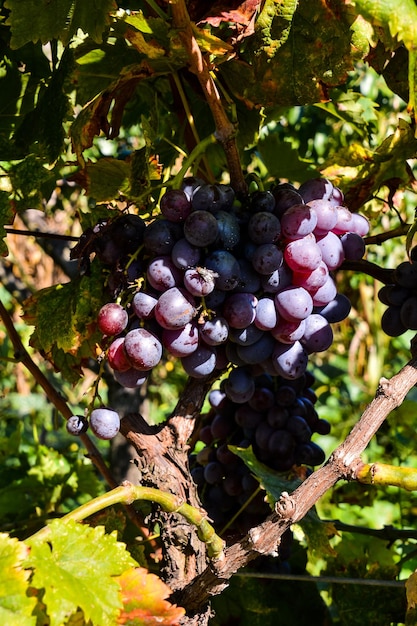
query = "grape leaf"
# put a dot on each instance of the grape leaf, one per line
(64, 317)
(317, 533)
(144, 600)
(6, 218)
(15, 606)
(77, 567)
(31, 20)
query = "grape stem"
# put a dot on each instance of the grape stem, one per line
(127, 494)
(225, 130)
(23, 356)
(384, 275)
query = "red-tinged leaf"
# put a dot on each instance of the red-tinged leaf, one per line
(239, 15)
(96, 116)
(144, 600)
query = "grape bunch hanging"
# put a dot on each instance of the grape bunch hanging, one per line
(234, 283)
(221, 283)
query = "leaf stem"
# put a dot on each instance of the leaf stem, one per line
(127, 494)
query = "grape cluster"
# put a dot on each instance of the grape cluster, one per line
(277, 420)
(104, 423)
(400, 297)
(227, 282)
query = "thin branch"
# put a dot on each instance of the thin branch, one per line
(385, 276)
(39, 233)
(343, 463)
(225, 130)
(23, 356)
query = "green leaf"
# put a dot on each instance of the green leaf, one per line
(104, 180)
(76, 566)
(15, 606)
(399, 16)
(317, 533)
(31, 20)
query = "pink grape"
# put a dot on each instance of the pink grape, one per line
(294, 303)
(182, 341)
(162, 273)
(116, 355)
(112, 319)
(105, 423)
(298, 221)
(331, 250)
(303, 254)
(173, 309)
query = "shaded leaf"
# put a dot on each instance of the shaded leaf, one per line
(64, 317)
(105, 179)
(411, 590)
(15, 606)
(317, 533)
(77, 568)
(144, 600)
(31, 20)
(6, 218)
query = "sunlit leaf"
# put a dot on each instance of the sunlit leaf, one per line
(15, 606)
(86, 562)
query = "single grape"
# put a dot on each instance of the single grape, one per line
(175, 205)
(406, 275)
(131, 378)
(201, 229)
(199, 281)
(315, 189)
(288, 332)
(391, 322)
(143, 349)
(257, 352)
(285, 197)
(266, 316)
(221, 426)
(200, 363)
(214, 331)
(312, 280)
(303, 255)
(344, 223)
(326, 216)
(331, 250)
(264, 227)
(290, 361)
(359, 225)
(181, 342)
(76, 425)
(294, 303)
(267, 258)
(245, 336)
(408, 313)
(116, 355)
(105, 423)
(336, 310)
(173, 309)
(229, 230)
(225, 265)
(239, 386)
(353, 246)
(184, 255)
(190, 185)
(239, 309)
(262, 201)
(318, 334)
(298, 221)
(162, 274)
(249, 280)
(325, 294)
(143, 305)
(278, 280)
(112, 319)
(160, 236)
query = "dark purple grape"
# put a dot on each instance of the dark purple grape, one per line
(181, 342)
(214, 331)
(264, 227)
(175, 205)
(262, 201)
(353, 246)
(105, 423)
(391, 322)
(239, 309)
(184, 255)
(239, 386)
(160, 236)
(201, 229)
(315, 189)
(213, 473)
(112, 319)
(76, 425)
(221, 426)
(225, 265)
(406, 275)
(229, 230)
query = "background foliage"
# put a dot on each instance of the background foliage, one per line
(99, 111)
